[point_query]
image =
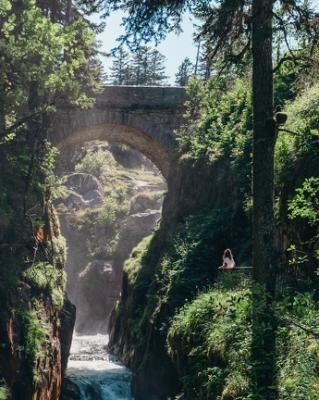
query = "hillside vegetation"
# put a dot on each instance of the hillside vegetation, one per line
(209, 329)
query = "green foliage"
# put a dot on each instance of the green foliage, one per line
(225, 124)
(301, 145)
(159, 278)
(212, 335)
(110, 211)
(211, 341)
(4, 393)
(219, 129)
(303, 210)
(34, 337)
(48, 279)
(96, 163)
(305, 204)
(43, 51)
(184, 73)
(297, 349)
(285, 83)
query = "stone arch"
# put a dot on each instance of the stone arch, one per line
(122, 134)
(142, 117)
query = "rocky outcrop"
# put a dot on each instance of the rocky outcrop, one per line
(67, 322)
(15, 366)
(83, 191)
(144, 201)
(35, 336)
(98, 288)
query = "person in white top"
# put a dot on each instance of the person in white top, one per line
(228, 260)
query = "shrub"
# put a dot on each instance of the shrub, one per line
(110, 211)
(96, 163)
(212, 339)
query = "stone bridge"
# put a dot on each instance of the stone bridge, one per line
(139, 116)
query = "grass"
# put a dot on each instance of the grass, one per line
(211, 342)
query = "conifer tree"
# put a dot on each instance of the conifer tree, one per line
(157, 68)
(184, 73)
(120, 70)
(140, 66)
(147, 67)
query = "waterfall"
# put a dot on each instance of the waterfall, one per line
(98, 375)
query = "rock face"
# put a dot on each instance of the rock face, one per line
(36, 323)
(15, 367)
(67, 322)
(142, 202)
(98, 288)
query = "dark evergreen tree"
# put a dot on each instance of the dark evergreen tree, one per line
(184, 73)
(204, 69)
(140, 66)
(147, 67)
(157, 69)
(120, 70)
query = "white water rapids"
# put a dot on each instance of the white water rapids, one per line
(99, 375)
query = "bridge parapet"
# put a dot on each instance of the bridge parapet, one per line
(142, 97)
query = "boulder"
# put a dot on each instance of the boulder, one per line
(83, 183)
(145, 201)
(93, 198)
(84, 191)
(74, 201)
(141, 223)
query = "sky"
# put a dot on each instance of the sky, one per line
(175, 47)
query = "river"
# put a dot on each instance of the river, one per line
(99, 375)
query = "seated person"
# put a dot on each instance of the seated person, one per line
(228, 260)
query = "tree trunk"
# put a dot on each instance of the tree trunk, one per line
(2, 106)
(264, 255)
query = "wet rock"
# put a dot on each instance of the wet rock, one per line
(97, 289)
(70, 391)
(67, 321)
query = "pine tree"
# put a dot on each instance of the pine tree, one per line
(205, 62)
(184, 73)
(120, 70)
(157, 68)
(147, 67)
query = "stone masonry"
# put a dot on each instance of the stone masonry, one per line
(141, 117)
